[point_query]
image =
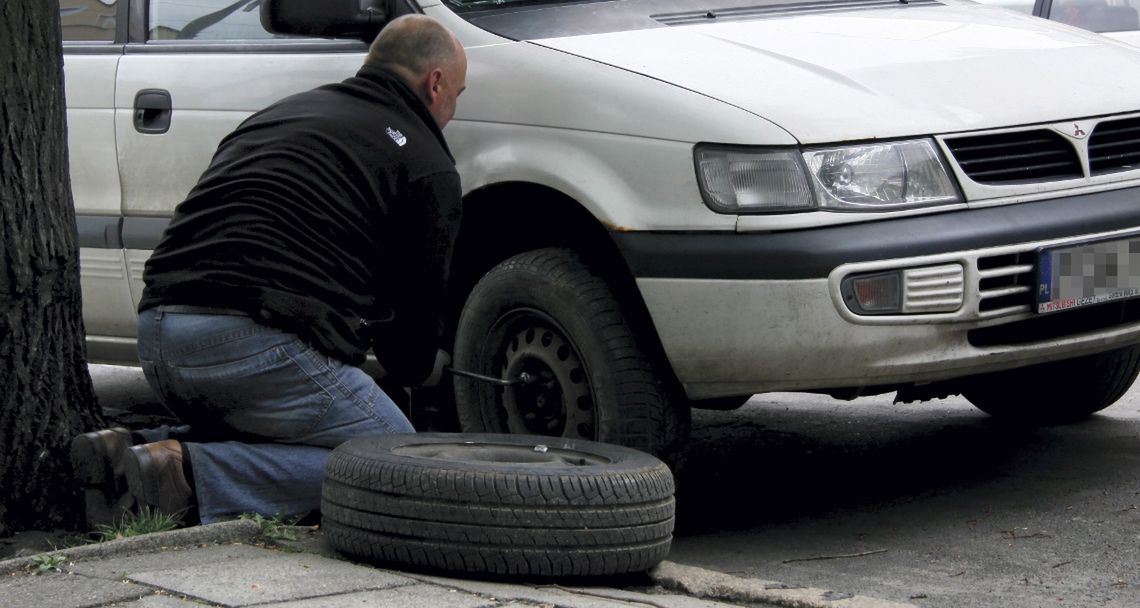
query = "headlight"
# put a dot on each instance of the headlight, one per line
(880, 176)
(742, 180)
(871, 177)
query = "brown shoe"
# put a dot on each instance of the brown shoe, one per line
(155, 478)
(97, 460)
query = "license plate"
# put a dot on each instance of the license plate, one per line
(1087, 274)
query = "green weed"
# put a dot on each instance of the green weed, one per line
(272, 528)
(146, 521)
(47, 563)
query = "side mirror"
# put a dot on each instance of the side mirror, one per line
(321, 18)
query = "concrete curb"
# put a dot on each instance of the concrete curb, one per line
(688, 580)
(225, 532)
(698, 582)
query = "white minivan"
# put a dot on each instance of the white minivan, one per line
(680, 203)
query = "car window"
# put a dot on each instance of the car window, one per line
(87, 20)
(1021, 6)
(206, 20)
(1097, 15)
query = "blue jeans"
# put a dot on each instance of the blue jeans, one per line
(264, 408)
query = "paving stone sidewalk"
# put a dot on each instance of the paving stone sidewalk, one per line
(230, 565)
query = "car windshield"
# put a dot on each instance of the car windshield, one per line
(1097, 15)
(504, 3)
(537, 19)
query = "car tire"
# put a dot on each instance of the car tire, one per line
(546, 313)
(1056, 393)
(498, 504)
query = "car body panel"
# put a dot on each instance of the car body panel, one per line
(211, 93)
(1132, 37)
(90, 96)
(763, 336)
(900, 72)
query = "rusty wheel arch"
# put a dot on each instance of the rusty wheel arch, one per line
(505, 219)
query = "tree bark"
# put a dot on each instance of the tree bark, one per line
(46, 396)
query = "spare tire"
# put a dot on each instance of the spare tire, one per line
(498, 504)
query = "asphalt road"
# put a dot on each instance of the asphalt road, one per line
(932, 504)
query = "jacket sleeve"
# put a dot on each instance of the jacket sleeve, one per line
(425, 226)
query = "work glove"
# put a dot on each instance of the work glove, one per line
(442, 360)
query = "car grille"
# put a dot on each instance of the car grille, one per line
(1048, 153)
(1021, 156)
(1005, 284)
(1115, 146)
(933, 289)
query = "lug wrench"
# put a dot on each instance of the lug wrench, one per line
(523, 377)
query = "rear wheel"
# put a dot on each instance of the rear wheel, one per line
(1058, 392)
(546, 314)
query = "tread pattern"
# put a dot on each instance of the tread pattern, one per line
(538, 561)
(498, 518)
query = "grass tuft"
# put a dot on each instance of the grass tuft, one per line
(272, 528)
(146, 521)
(44, 563)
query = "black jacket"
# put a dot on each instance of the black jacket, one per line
(330, 214)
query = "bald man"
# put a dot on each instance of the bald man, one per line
(322, 228)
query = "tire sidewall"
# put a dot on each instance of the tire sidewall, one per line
(597, 510)
(512, 287)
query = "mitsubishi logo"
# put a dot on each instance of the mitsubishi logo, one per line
(1076, 129)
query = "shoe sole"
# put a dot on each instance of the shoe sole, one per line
(90, 462)
(105, 497)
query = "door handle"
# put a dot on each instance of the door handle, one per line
(152, 111)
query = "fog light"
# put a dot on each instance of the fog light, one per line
(874, 294)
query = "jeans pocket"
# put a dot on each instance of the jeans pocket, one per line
(270, 395)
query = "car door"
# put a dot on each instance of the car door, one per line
(191, 71)
(94, 32)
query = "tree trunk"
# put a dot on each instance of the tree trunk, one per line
(46, 396)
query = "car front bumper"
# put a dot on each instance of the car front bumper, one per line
(747, 313)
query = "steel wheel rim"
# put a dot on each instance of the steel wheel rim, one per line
(537, 455)
(561, 403)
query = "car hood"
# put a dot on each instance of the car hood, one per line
(1130, 37)
(883, 73)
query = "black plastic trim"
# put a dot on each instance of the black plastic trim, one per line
(122, 20)
(814, 253)
(1054, 326)
(99, 231)
(143, 232)
(260, 46)
(92, 48)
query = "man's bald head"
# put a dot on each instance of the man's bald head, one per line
(412, 45)
(428, 57)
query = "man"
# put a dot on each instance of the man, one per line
(322, 227)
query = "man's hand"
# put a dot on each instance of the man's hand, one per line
(442, 360)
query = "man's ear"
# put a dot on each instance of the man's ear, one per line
(434, 84)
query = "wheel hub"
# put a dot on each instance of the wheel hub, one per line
(560, 403)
